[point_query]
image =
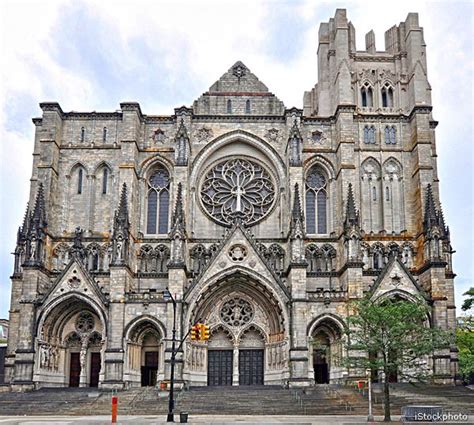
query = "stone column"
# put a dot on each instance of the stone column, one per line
(235, 366)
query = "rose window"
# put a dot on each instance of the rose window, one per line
(85, 322)
(237, 187)
(237, 312)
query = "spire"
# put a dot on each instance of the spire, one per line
(23, 229)
(182, 132)
(38, 217)
(178, 232)
(352, 216)
(120, 237)
(297, 218)
(121, 216)
(295, 131)
(178, 223)
(431, 216)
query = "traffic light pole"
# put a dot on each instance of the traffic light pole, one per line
(167, 295)
(170, 417)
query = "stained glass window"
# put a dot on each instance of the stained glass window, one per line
(316, 202)
(158, 202)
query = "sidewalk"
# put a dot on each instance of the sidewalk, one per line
(193, 419)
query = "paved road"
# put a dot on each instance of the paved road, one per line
(196, 419)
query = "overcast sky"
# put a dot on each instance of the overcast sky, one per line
(92, 55)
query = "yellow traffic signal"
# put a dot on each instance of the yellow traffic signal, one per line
(196, 332)
(204, 332)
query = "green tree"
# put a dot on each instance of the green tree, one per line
(468, 302)
(394, 337)
(465, 343)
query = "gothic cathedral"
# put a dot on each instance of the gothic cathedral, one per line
(263, 222)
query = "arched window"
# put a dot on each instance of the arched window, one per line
(105, 177)
(158, 200)
(390, 135)
(387, 96)
(316, 202)
(369, 135)
(367, 95)
(374, 193)
(247, 106)
(104, 135)
(229, 106)
(387, 193)
(83, 134)
(80, 177)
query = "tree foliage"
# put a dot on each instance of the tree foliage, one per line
(465, 343)
(468, 302)
(394, 337)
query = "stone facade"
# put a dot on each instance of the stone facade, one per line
(262, 221)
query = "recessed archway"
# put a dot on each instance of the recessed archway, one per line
(145, 352)
(70, 341)
(249, 340)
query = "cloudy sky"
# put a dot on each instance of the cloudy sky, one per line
(91, 55)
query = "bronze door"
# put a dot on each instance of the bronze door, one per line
(74, 370)
(95, 369)
(219, 367)
(251, 367)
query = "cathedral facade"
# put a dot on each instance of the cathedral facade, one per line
(263, 222)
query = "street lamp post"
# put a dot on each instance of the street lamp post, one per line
(370, 417)
(167, 296)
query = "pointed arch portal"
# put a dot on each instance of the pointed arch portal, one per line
(248, 344)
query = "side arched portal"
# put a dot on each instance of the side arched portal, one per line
(145, 353)
(69, 345)
(326, 350)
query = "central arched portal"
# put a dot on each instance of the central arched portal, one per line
(248, 343)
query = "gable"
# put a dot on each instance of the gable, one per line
(395, 277)
(239, 251)
(75, 279)
(238, 91)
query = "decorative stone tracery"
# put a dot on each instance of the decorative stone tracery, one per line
(237, 187)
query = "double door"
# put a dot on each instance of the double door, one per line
(220, 367)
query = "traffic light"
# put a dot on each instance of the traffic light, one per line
(196, 332)
(204, 332)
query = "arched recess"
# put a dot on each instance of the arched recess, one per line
(144, 351)
(70, 339)
(398, 294)
(249, 316)
(393, 196)
(77, 198)
(103, 195)
(371, 196)
(326, 335)
(237, 144)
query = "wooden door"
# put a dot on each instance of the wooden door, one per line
(95, 369)
(74, 370)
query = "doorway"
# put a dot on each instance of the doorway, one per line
(74, 369)
(219, 367)
(94, 369)
(250, 367)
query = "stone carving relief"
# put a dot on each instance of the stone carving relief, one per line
(238, 253)
(49, 356)
(317, 137)
(272, 135)
(203, 135)
(159, 136)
